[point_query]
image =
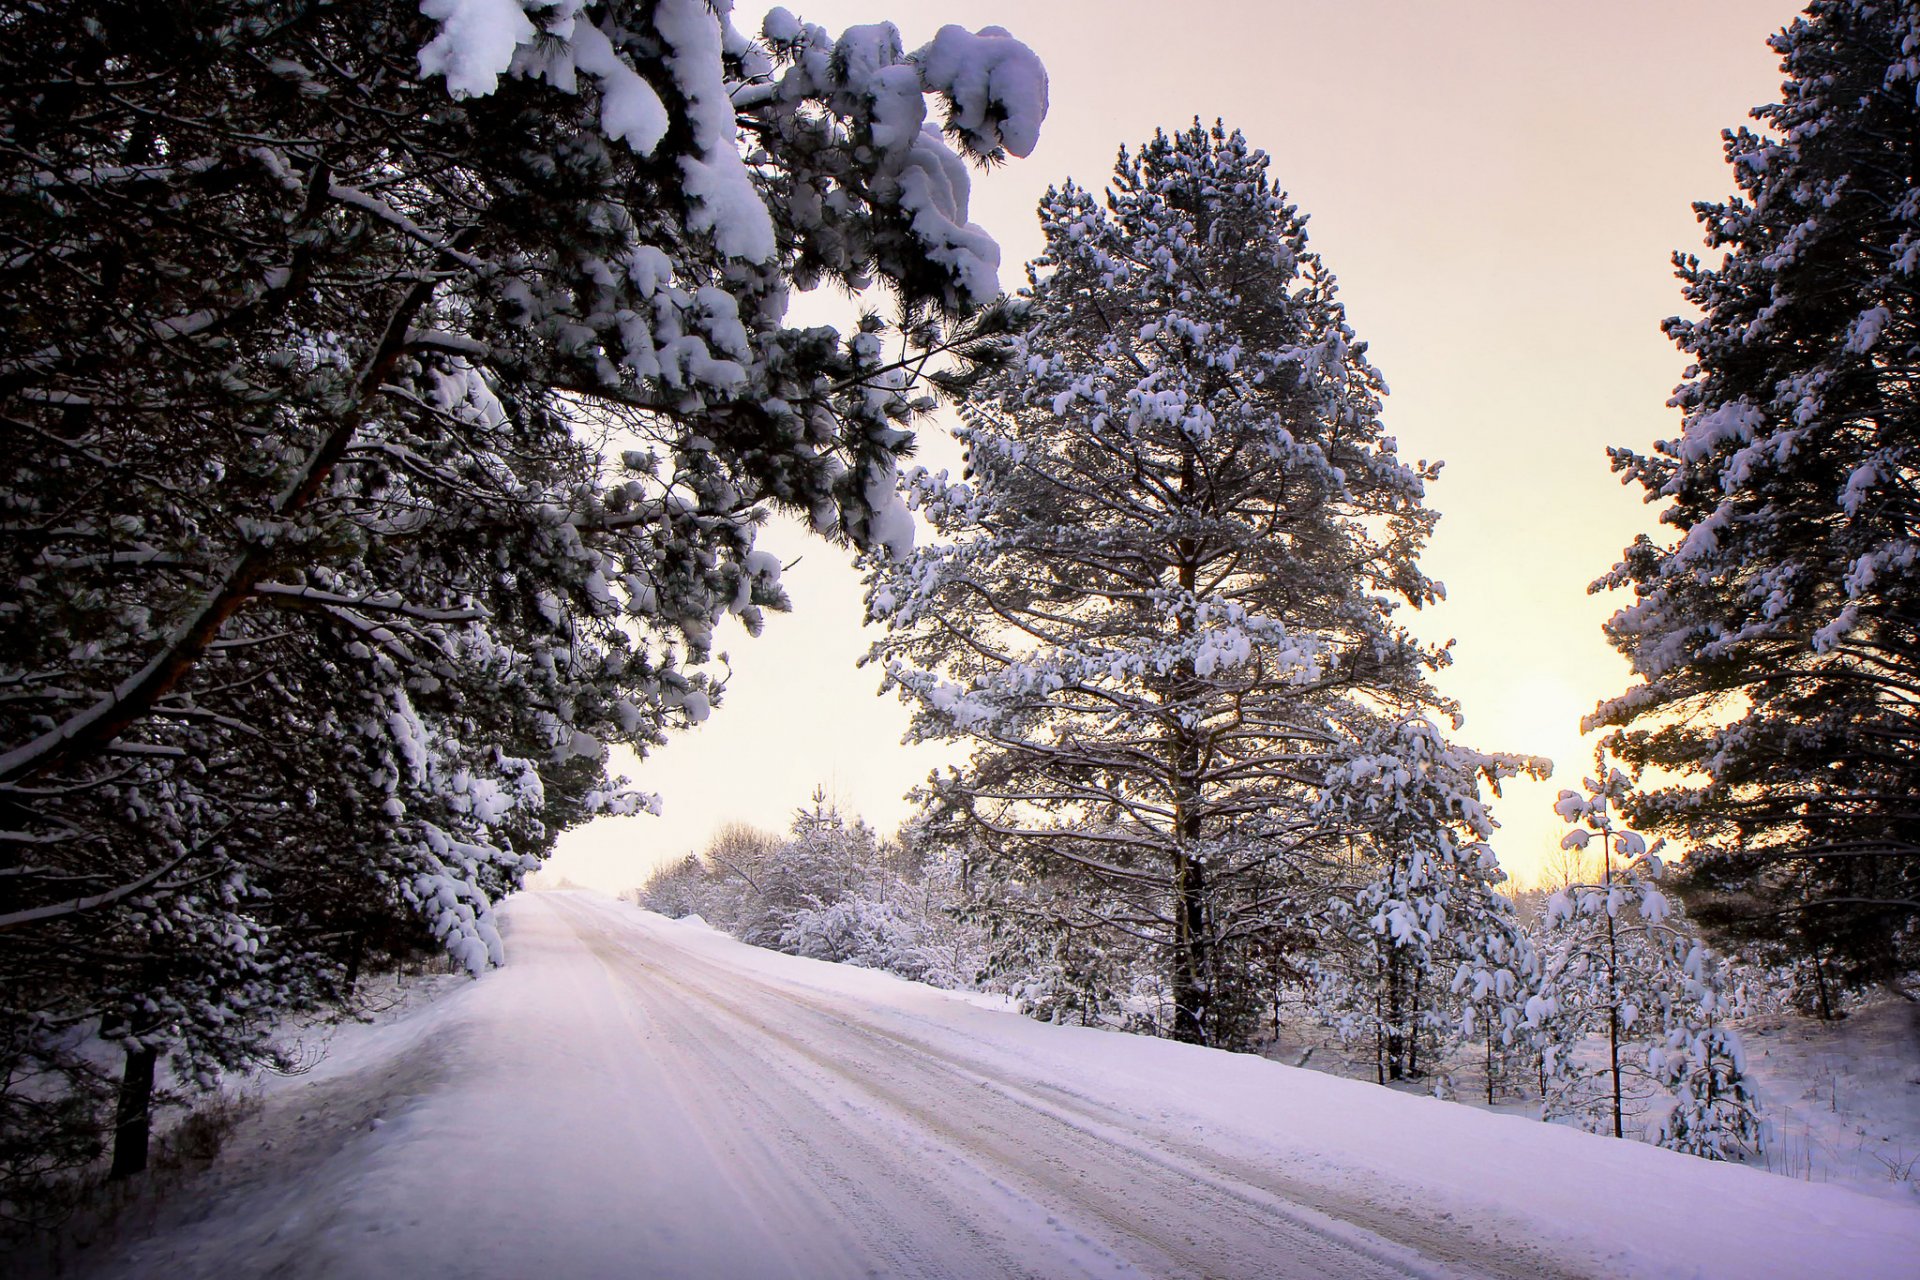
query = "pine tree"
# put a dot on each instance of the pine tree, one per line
(392, 397)
(1777, 637)
(1164, 594)
(1615, 966)
(1427, 952)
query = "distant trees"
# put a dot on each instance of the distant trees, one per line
(1777, 636)
(831, 889)
(390, 401)
(1160, 605)
(740, 855)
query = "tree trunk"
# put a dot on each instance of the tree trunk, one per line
(1190, 994)
(1273, 952)
(1489, 1062)
(356, 957)
(1613, 1059)
(1380, 1026)
(1820, 988)
(1396, 1013)
(1192, 1004)
(133, 1116)
(1413, 1027)
(1613, 983)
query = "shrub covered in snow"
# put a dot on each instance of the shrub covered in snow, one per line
(831, 890)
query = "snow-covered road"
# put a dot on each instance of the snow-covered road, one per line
(891, 1148)
(637, 1097)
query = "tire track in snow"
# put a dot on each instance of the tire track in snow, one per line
(1169, 1207)
(1476, 1251)
(1165, 1220)
(757, 1106)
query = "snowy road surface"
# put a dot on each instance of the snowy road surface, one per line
(638, 1097)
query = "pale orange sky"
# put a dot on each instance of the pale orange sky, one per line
(1496, 183)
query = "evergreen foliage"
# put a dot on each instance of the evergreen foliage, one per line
(1161, 603)
(391, 393)
(1777, 635)
(1615, 965)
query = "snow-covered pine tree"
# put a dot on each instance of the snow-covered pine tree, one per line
(1777, 635)
(1427, 953)
(1715, 1111)
(1169, 578)
(825, 859)
(1614, 967)
(390, 394)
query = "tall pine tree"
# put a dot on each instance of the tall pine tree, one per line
(1161, 605)
(1777, 634)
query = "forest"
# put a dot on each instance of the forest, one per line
(394, 394)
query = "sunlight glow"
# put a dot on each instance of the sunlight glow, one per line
(1498, 187)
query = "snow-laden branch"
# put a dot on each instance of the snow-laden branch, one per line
(89, 902)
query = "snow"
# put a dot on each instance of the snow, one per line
(639, 1096)
(630, 109)
(891, 525)
(780, 26)
(996, 84)
(935, 188)
(478, 41)
(1866, 329)
(1733, 421)
(475, 43)
(1843, 1098)
(726, 201)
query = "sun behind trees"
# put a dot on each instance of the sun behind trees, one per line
(1161, 606)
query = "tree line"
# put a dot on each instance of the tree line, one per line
(1609, 1011)
(1161, 608)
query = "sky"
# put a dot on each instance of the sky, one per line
(1497, 184)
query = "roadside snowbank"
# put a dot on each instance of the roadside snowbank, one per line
(1630, 1208)
(1843, 1098)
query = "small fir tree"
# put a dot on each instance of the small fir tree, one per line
(1428, 953)
(1615, 967)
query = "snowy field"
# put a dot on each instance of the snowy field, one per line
(633, 1096)
(1843, 1099)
